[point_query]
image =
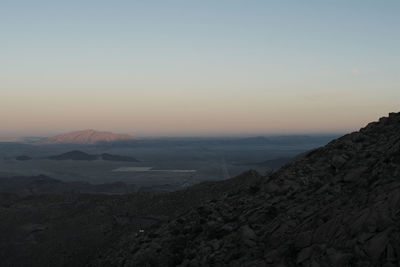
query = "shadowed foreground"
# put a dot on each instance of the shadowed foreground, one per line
(335, 206)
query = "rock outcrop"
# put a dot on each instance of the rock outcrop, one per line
(338, 205)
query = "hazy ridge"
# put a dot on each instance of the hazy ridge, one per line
(85, 137)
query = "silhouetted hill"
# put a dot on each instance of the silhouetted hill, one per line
(85, 137)
(74, 155)
(79, 155)
(338, 205)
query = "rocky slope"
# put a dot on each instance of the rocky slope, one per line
(41, 184)
(85, 137)
(338, 205)
(71, 229)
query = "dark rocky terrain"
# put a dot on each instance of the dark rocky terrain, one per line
(72, 229)
(272, 163)
(338, 205)
(41, 184)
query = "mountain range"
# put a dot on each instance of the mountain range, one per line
(84, 137)
(337, 205)
(79, 155)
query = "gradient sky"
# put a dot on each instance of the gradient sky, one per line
(197, 67)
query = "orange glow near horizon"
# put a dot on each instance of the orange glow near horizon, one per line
(197, 68)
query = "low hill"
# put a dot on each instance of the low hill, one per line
(79, 155)
(74, 155)
(85, 137)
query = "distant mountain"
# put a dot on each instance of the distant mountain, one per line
(79, 155)
(85, 137)
(287, 139)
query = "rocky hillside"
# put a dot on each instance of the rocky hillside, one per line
(338, 205)
(70, 229)
(41, 184)
(85, 137)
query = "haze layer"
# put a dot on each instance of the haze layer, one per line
(194, 68)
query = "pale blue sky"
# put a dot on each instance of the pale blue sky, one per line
(197, 67)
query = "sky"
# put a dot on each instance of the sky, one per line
(176, 68)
